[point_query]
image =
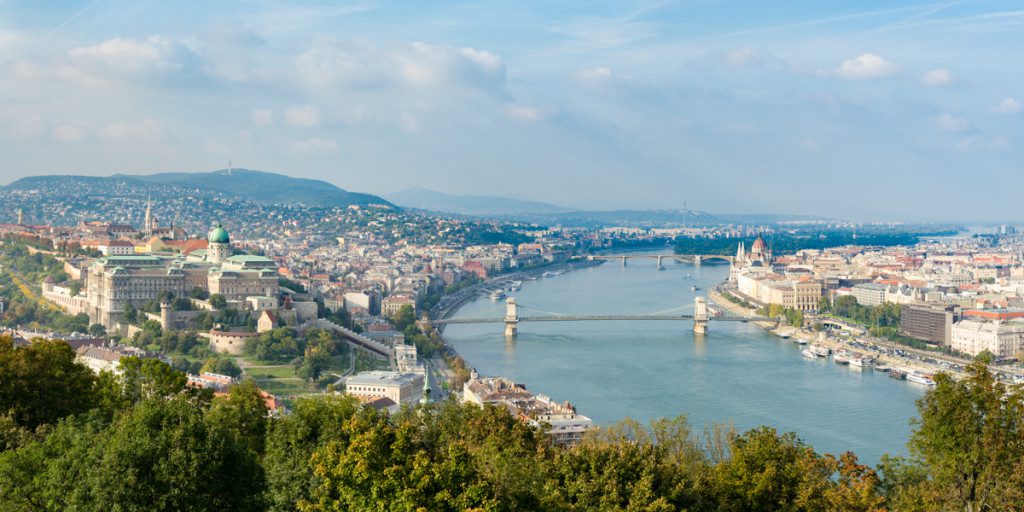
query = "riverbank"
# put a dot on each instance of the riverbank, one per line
(889, 354)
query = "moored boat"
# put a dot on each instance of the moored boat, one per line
(820, 350)
(841, 358)
(920, 377)
(809, 354)
(861, 360)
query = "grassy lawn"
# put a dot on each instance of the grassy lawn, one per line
(282, 387)
(271, 372)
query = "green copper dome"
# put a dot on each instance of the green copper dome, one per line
(218, 235)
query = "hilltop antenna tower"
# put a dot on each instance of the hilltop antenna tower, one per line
(230, 168)
(685, 211)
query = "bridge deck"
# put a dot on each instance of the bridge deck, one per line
(587, 318)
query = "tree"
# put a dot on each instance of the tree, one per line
(199, 293)
(75, 288)
(767, 472)
(41, 383)
(218, 301)
(313, 422)
(313, 364)
(222, 366)
(162, 455)
(970, 438)
(97, 330)
(149, 378)
(243, 412)
(131, 315)
(404, 317)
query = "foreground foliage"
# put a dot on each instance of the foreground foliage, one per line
(143, 441)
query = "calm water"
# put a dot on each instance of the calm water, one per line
(738, 372)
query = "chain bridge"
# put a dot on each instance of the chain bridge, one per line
(700, 313)
(695, 259)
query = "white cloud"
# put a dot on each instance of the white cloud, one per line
(67, 133)
(146, 129)
(981, 143)
(409, 122)
(594, 75)
(940, 76)
(865, 66)
(306, 116)
(315, 144)
(742, 57)
(416, 65)
(262, 117)
(525, 113)
(949, 123)
(153, 55)
(1008, 106)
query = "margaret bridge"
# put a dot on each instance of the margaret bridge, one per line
(694, 259)
(701, 315)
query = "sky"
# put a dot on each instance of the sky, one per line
(865, 110)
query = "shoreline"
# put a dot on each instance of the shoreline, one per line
(881, 352)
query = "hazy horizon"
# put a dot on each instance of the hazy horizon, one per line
(868, 112)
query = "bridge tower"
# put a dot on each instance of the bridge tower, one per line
(700, 315)
(696, 260)
(511, 317)
(623, 261)
(659, 262)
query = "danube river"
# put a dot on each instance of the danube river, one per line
(738, 372)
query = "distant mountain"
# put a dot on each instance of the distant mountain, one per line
(426, 199)
(263, 187)
(256, 186)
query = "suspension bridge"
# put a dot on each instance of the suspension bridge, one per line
(700, 313)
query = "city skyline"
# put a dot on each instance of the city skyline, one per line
(880, 112)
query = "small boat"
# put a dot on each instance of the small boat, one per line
(497, 295)
(800, 341)
(841, 359)
(694, 288)
(687, 276)
(897, 374)
(809, 354)
(862, 361)
(821, 351)
(920, 378)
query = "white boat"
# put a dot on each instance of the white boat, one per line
(821, 351)
(809, 354)
(694, 288)
(919, 377)
(497, 295)
(800, 341)
(862, 361)
(841, 358)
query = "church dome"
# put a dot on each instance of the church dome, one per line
(758, 246)
(218, 235)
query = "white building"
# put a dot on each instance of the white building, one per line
(401, 388)
(1002, 339)
(560, 421)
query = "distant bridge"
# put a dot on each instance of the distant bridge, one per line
(695, 259)
(702, 314)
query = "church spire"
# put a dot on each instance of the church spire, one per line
(148, 222)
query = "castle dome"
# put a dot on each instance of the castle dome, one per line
(218, 235)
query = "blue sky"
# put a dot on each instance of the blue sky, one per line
(865, 110)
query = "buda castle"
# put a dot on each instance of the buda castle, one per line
(114, 282)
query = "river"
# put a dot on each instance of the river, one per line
(611, 370)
